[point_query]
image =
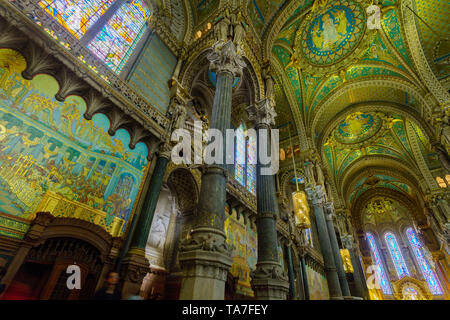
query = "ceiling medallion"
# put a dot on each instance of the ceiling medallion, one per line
(357, 127)
(332, 38)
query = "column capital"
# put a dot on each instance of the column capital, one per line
(316, 195)
(225, 58)
(263, 112)
(164, 150)
(347, 241)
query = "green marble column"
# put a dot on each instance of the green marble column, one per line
(316, 196)
(304, 277)
(268, 280)
(135, 265)
(145, 219)
(205, 257)
(336, 251)
(292, 290)
(358, 278)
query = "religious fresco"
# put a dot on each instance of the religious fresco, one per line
(357, 127)
(318, 287)
(375, 133)
(381, 210)
(244, 241)
(53, 159)
(333, 34)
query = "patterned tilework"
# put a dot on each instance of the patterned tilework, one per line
(436, 14)
(151, 72)
(13, 227)
(391, 24)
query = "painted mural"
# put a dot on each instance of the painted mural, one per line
(244, 241)
(318, 287)
(333, 34)
(53, 159)
(357, 127)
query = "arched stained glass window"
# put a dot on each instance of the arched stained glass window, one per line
(251, 164)
(239, 167)
(77, 16)
(115, 34)
(384, 282)
(410, 294)
(117, 39)
(428, 273)
(396, 255)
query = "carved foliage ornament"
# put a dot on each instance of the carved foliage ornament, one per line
(225, 58)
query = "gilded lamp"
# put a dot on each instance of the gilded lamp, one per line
(301, 210)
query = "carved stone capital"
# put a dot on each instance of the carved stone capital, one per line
(206, 239)
(269, 281)
(225, 58)
(315, 195)
(262, 112)
(164, 150)
(347, 241)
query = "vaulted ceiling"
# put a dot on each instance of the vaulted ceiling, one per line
(355, 91)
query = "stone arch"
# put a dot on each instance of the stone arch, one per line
(379, 164)
(410, 204)
(376, 106)
(198, 64)
(79, 229)
(324, 110)
(183, 183)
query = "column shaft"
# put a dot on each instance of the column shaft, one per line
(304, 277)
(293, 293)
(337, 257)
(334, 287)
(268, 280)
(359, 288)
(145, 219)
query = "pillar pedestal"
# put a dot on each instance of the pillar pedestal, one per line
(269, 281)
(134, 268)
(204, 274)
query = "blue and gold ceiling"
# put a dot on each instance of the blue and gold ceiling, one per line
(432, 22)
(362, 135)
(326, 48)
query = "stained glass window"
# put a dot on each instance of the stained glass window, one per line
(308, 236)
(396, 255)
(77, 16)
(117, 39)
(239, 171)
(251, 165)
(384, 282)
(428, 273)
(410, 294)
